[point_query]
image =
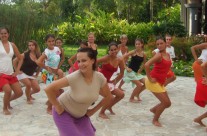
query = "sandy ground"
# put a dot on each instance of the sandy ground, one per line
(131, 119)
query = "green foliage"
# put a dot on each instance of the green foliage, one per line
(108, 28)
(27, 21)
(171, 14)
(182, 46)
(172, 28)
(169, 22)
(105, 27)
(183, 68)
(105, 5)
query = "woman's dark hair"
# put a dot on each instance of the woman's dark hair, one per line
(49, 36)
(160, 38)
(7, 29)
(84, 43)
(112, 43)
(109, 46)
(141, 41)
(91, 54)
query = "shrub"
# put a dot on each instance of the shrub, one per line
(183, 68)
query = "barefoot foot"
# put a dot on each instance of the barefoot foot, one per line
(6, 112)
(49, 111)
(32, 98)
(111, 111)
(29, 102)
(103, 116)
(138, 98)
(9, 107)
(157, 123)
(134, 101)
(196, 120)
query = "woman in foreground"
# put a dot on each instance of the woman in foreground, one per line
(71, 110)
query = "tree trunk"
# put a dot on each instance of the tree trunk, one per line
(205, 21)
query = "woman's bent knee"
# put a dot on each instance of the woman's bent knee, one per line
(19, 93)
(167, 104)
(121, 95)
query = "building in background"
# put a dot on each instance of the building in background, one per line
(194, 16)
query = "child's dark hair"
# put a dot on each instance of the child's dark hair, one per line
(49, 36)
(91, 54)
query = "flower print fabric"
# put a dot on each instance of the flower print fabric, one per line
(53, 57)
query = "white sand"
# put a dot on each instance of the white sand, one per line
(131, 119)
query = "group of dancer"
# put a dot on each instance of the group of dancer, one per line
(90, 77)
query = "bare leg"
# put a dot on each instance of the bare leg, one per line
(58, 92)
(6, 102)
(170, 80)
(199, 119)
(118, 96)
(153, 110)
(28, 86)
(35, 88)
(103, 109)
(136, 92)
(121, 84)
(158, 109)
(16, 87)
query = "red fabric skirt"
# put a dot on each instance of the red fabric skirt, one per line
(7, 79)
(201, 94)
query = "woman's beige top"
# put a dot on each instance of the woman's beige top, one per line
(81, 94)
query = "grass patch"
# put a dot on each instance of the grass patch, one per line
(102, 50)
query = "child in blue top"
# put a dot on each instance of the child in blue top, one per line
(49, 60)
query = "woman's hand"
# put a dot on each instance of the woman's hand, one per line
(73, 68)
(139, 72)
(204, 81)
(16, 73)
(35, 76)
(153, 80)
(59, 109)
(49, 70)
(89, 112)
(129, 69)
